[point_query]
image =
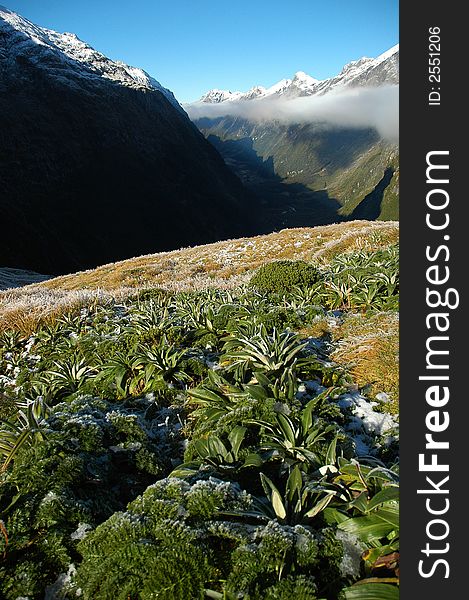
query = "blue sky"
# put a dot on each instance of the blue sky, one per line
(191, 46)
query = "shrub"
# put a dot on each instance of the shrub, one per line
(178, 539)
(281, 276)
(221, 381)
(280, 319)
(96, 458)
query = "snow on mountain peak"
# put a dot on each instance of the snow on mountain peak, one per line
(362, 72)
(355, 65)
(388, 53)
(278, 87)
(24, 37)
(304, 77)
(216, 96)
(255, 92)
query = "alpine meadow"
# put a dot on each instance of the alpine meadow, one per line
(199, 327)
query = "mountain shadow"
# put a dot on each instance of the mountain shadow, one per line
(92, 171)
(282, 204)
(314, 154)
(369, 208)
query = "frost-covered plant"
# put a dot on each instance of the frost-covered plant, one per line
(304, 440)
(119, 372)
(161, 363)
(277, 355)
(179, 538)
(363, 280)
(228, 385)
(67, 377)
(97, 457)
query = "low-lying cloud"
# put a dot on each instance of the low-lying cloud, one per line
(356, 107)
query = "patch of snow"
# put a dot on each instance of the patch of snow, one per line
(383, 397)
(81, 531)
(361, 447)
(365, 416)
(353, 550)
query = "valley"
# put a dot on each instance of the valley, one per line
(99, 162)
(324, 170)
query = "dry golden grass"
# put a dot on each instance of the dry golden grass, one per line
(359, 239)
(227, 263)
(368, 345)
(222, 265)
(24, 309)
(320, 328)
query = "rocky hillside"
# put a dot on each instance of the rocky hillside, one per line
(98, 162)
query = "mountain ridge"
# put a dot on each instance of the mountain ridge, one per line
(96, 163)
(93, 62)
(318, 169)
(302, 84)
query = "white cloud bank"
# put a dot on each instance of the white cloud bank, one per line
(376, 107)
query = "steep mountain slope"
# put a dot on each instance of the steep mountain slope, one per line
(12, 278)
(98, 161)
(318, 172)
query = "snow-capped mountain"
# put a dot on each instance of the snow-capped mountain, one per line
(331, 168)
(98, 161)
(383, 70)
(299, 85)
(44, 46)
(363, 72)
(216, 96)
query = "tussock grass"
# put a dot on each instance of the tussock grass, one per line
(360, 238)
(227, 264)
(222, 265)
(25, 309)
(320, 329)
(369, 346)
